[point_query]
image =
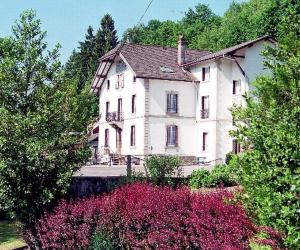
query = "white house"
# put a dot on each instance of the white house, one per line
(157, 100)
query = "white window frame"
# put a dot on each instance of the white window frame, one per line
(205, 74)
(205, 143)
(234, 87)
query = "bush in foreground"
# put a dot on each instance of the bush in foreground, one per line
(220, 175)
(142, 216)
(162, 168)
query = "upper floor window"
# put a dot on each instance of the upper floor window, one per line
(134, 79)
(172, 136)
(133, 104)
(120, 66)
(204, 107)
(107, 108)
(120, 106)
(106, 138)
(205, 73)
(236, 146)
(236, 87)
(132, 136)
(108, 84)
(204, 141)
(172, 103)
(120, 81)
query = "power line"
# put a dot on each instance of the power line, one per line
(151, 1)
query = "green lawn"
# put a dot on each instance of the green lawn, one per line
(9, 238)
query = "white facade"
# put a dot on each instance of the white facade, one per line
(214, 95)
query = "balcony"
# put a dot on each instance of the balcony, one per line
(204, 113)
(115, 118)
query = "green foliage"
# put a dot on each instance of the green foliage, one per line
(161, 169)
(205, 30)
(220, 175)
(136, 176)
(268, 128)
(199, 178)
(100, 241)
(82, 65)
(37, 153)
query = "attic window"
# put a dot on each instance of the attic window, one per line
(120, 66)
(167, 70)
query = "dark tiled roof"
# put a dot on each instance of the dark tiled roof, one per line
(227, 51)
(146, 60)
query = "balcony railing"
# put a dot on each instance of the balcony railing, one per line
(204, 113)
(115, 116)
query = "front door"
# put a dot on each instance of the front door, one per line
(119, 140)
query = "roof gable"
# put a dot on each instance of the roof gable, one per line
(228, 51)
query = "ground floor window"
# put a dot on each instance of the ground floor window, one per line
(106, 138)
(172, 136)
(132, 136)
(204, 141)
(236, 146)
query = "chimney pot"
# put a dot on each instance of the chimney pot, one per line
(181, 50)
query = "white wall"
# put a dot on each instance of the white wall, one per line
(184, 120)
(208, 125)
(137, 119)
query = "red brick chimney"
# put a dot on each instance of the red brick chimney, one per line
(181, 50)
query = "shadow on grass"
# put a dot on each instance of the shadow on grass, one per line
(9, 237)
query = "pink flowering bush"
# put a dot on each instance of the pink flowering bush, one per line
(70, 225)
(142, 216)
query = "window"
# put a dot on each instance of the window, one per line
(205, 73)
(172, 136)
(106, 139)
(120, 81)
(236, 87)
(133, 104)
(120, 66)
(172, 103)
(204, 107)
(204, 141)
(117, 83)
(134, 79)
(107, 108)
(132, 136)
(236, 146)
(108, 84)
(120, 108)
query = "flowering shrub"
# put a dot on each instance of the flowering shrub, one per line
(70, 225)
(142, 216)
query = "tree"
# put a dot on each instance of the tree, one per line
(38, 153)
(268, 129)
(82, 65)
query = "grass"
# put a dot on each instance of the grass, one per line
(9, 238)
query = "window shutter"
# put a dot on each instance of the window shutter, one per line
(167, 135)
(176, 103)
(176, 135)
(169, 103)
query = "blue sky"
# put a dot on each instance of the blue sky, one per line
(66, 21)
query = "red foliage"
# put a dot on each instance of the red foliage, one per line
(70, 225)
(142, 216)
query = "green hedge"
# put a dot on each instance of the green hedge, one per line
(220, 175)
